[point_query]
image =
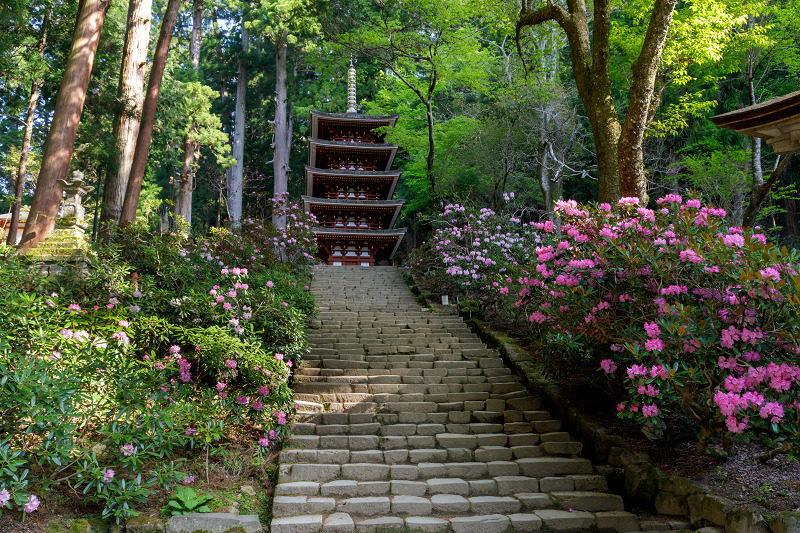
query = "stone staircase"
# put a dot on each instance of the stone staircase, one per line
(407, 422)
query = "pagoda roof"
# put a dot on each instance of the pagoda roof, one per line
(365, 235)
(379, 120)
(385, 176)
(354, 148)
(776, 120)
(395, 205)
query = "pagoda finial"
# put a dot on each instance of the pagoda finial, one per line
(351, 87)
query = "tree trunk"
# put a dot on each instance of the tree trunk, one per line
(429, 161)
(187, 173)
(236, 176)
(130, 95)
(791, 228)
(145, 134)
(64, 126)
(760, 193)
(183, 207)
(755, 142)
(619, 153)
(280, 147)
(33, 103)
(632, 179)
(197, 34)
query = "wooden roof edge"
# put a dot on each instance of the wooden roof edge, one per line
(353, 173)
(343, 144)
(354, 116)
(360, 203)
(758, 110)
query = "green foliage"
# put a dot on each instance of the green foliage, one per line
(111, 377)
(186, 500)
(722, 177)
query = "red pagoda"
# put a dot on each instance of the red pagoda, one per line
(349, 185)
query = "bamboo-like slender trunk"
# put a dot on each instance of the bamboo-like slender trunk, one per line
(236, 176)
(280, 147)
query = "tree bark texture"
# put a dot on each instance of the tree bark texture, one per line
(64, 126)
(145, 133)
(236, 176)
(618, 148)
(130, 95)
(197, 34)
(280, 144)
(791, 228)
(33, 103)
(183, 206)
(633, 181)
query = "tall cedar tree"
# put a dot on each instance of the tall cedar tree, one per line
(64, 125)
(139, 162)
(130, 95)
(33, 103)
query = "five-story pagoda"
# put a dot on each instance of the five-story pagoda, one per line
(349, 185)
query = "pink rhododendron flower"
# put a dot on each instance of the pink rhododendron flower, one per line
(733, 240)
(608, 366)
(128, 450)
(650, 411)
(652, 329)
(32, 505)
(4, 497)
(108, 475)
(655, 345)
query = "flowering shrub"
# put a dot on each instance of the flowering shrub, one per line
(112, 376)
(700, 316)
(476, 253)
(679, 311)
(254, 243)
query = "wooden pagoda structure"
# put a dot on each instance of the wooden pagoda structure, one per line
(350, 186)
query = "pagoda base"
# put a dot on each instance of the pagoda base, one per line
(340, 247)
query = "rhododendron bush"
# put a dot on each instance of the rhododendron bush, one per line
(115, 376)
(477, 253)
(678, 310)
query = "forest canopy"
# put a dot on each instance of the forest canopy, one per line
(551, 100)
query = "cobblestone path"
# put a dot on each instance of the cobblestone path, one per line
(408, 422)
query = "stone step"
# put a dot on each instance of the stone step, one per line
(407, 455)
(537, 467)
(550, 519)
(408, 422)
(394, 442)
(322, 385)
(496, 486)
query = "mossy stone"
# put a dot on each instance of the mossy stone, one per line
(745, 520)
(786, 522)
(81, 526)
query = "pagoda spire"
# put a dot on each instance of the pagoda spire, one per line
(351, 87)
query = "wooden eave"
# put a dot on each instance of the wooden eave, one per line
(386, 176)
(390, 150)
(777, 121)
(374, 121)
(374, 235)
(366, 205)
